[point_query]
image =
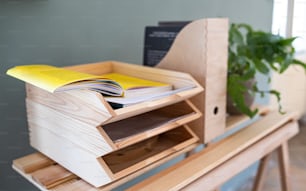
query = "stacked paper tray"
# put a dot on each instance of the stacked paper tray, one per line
(79, 130)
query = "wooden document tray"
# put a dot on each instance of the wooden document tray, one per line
(79, 130)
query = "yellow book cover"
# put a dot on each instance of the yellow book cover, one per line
(55, 79)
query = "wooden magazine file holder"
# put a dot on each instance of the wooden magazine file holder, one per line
(200, 49)
(75, 128)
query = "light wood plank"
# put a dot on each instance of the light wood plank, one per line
(284, 166)
(78, 185)
(208, 159)
(261, 172)
(28, 177)
(96, 68)
(52, 176)
(244, 159)
(32, 162)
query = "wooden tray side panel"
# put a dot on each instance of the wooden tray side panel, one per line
(177, 79)
(139, 155)
(152, 123)
(97, 68)
(86, 106)
(77, 160)
(83, 135)
(200, 49)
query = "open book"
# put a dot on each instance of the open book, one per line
(55, 79)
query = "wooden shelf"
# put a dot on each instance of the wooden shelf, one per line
(77, 184)
(256, 141)
(210, 161)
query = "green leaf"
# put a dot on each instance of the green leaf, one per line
(261, 66)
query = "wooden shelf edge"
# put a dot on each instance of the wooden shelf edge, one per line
(241, 161)
(29, 178)
(206, 160)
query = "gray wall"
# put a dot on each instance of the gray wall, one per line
(65, 32)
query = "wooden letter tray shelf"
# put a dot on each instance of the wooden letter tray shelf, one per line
(80, 131)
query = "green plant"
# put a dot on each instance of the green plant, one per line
(252, 52)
